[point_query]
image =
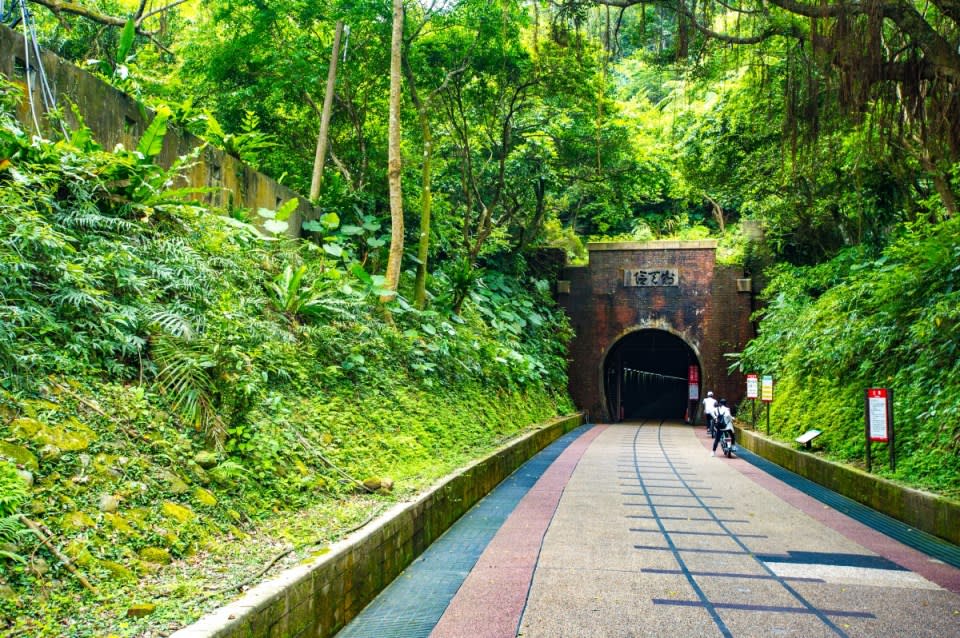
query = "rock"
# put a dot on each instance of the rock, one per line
(76, 521)
(109, 503)
(119, 523)
(118, 571)
(7, 593)
(26, 427)
(180, 513)
(71, 435)
(174, 483)
(27, 477)
(378, 483)
(201, 474)
(204, 497)
(156, 555)
(50, 452)
(140, 610)
(78, 552)
(39, 567)
(205, 459)
(18, 455)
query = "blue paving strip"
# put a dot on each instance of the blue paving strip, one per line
(833, 559)
(413, 603)
(919, 540)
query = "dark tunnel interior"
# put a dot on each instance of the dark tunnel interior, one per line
(646, 374)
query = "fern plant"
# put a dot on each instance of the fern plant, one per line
(13, 492)
(186, 374)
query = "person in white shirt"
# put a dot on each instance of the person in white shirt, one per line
(709, 407)
(723, 421)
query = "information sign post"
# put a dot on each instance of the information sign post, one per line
(878, 414)
(693, 391)
(753, 391)
(766, 395)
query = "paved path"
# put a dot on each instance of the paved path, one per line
(634, 530)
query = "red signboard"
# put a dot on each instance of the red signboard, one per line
(693, 375)
(878, 411)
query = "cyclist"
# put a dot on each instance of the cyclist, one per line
(723, 420)
(709, 407)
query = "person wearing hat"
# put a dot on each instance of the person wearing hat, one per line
(709, 407)
(723, 421)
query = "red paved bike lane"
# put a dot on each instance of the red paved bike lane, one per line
(491, 600)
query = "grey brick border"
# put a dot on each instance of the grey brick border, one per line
(928, 512)
(318, 598)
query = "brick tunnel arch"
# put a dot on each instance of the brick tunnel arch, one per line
(644, 372)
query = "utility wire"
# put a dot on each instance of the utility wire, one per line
(31, 50)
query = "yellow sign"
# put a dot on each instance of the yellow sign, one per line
(766, 389)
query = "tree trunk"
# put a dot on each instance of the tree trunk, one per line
(426, 192)
(393, 159)
(321, 155)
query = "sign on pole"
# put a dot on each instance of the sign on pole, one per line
(877, 414)
(693, 382)
(753, 386)
(766, 389)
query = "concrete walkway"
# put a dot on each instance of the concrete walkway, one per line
(635, 530)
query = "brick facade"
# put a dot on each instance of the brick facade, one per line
(705, 311)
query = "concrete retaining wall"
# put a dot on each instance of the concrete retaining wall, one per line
(116, 118)
(317, 599)
(927, 512)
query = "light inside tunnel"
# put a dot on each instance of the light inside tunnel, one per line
(645, 376)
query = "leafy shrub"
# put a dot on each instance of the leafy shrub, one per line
(889, 319)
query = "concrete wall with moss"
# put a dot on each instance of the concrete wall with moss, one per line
(116, 118)
(319, 598)
(924, 511)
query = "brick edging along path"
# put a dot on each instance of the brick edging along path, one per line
(318, 598)
(928, 512)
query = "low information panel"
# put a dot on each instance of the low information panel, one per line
(650, 278)
(752, 386)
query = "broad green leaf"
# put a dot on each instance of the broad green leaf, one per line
(361, 274)
(276, 226)
(126, 40)
(335, 250)
(151, 143)
(284, 212)
(330, 220)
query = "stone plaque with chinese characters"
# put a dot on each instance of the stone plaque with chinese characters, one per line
(651, 277)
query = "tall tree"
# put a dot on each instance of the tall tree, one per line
(394, 160)
(321, 155)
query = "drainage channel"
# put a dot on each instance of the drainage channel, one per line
(413, 603)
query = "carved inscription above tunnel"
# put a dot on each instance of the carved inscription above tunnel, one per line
(651, 278)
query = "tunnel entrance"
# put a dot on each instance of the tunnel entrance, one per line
(645, 376)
